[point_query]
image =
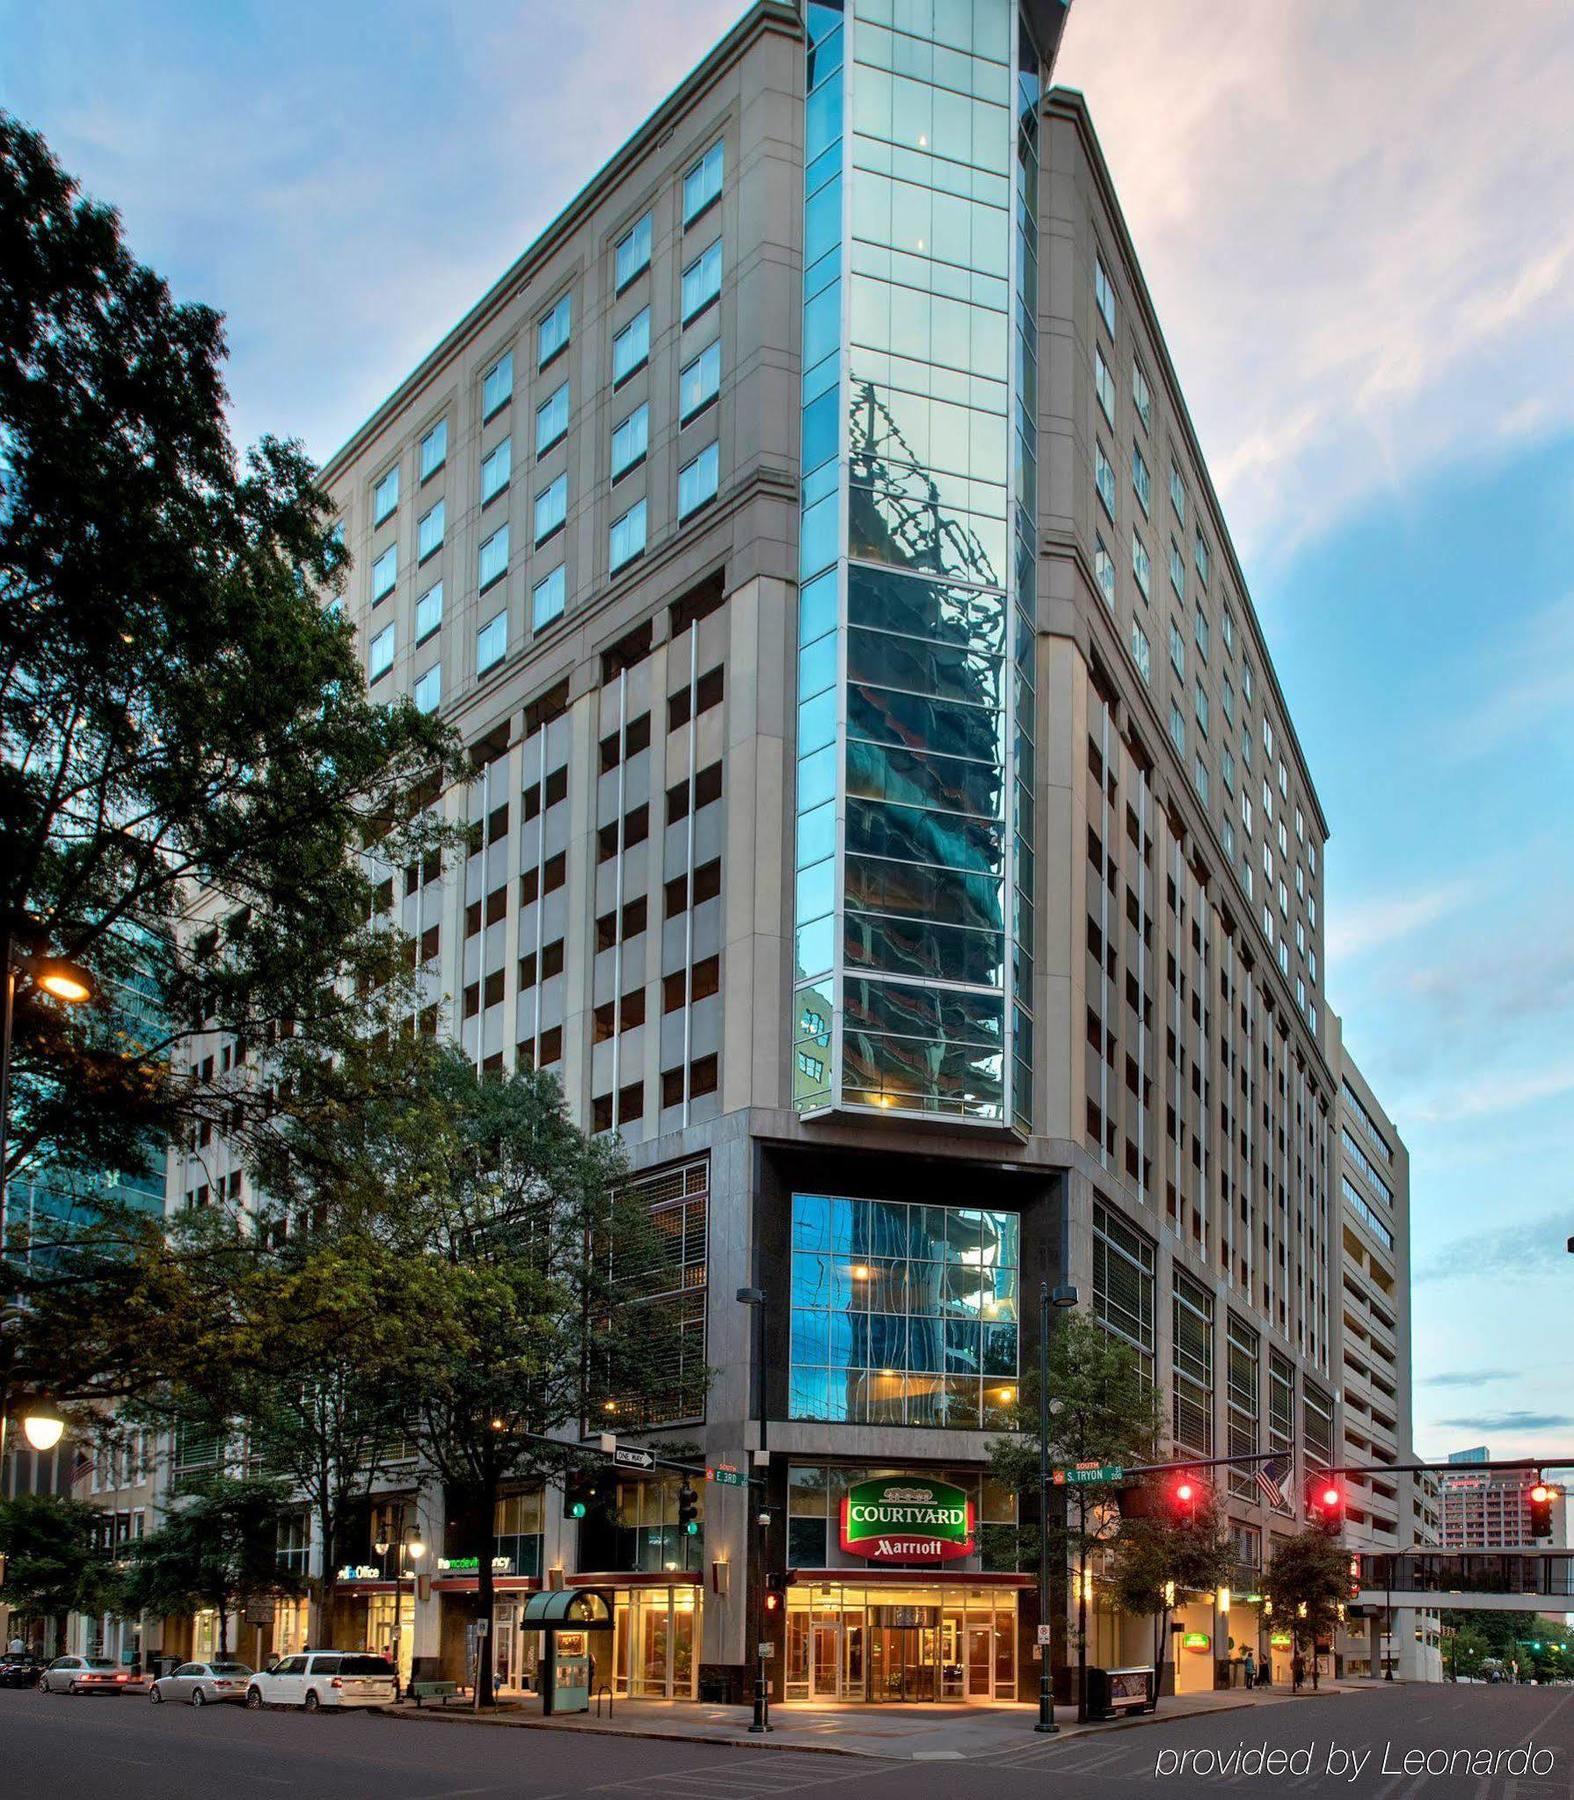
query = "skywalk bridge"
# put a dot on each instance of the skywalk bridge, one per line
(1529, 1580)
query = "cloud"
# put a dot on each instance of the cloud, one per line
(1372, 924)
(1528, 686)
(1397, 288)
(1468, 1378)
(1489, 1092)
(1510, 1421)
(1534, 1248)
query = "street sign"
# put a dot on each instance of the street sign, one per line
(1046, 1634)
(724, 1475)
(259, 1610)
(767, 1651)
(629, 1458)
(1089, 1474)
(483, 1627)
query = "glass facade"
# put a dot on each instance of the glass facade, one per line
(913, 915)
(903, 1314)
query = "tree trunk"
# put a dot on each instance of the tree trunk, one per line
(485, 1595)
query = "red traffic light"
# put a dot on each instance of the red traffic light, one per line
(1329, 1497)
(1185, 1492)
(1540, 1494)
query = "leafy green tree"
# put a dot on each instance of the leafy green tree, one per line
(1103, 1410)
(54, 1559)
(1306, 1579)
(1157, 1559)
(181, 712)
(532, 1257)
(218, 1547)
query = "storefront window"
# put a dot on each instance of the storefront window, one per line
(656, 1642)
(648, 1534)
(903, 1314)
(927, 1642)
(516, 1532)
(380, 1616)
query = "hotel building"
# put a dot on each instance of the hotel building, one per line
(891, 825)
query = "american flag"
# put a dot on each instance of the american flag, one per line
(1269, 1475)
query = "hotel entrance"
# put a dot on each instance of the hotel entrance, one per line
(901, 1645)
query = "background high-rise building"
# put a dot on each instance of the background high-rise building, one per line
(891, 825)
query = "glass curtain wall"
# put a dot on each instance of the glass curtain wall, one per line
(916, 697)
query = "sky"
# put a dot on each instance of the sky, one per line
(1357, 224)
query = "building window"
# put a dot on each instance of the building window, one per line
(1104, 479)
(546, 597)
(632, 254)
(1141, 398)
(551, 508)
(1141, 480)
(1177, 494)
(1141, 567)
(491, 643)
(385, 495)
(1227, 629)
(679, 1202)
(631, 347)
(1104, 384)
(434, 449)
(697, 481)
(1123, 1283)
(1227, 770)
(1104, 294)
(1177, 570)
(1201, 709)
(701, 282)
(1227, 836)
(552, 420)
(1200, 780)
(429, 533)
(699, 383)
(385, 572)
(1193, 1364)
(1104, 569)
(1200, 634)
(497, 385)
(630, 441)
(496, 470)
(428, 690)
(380, 653)
(429, 612)
(492, 562)
(903, 1314)
(1178, 728)
(1141, 654)
(627, 537)
(702, 185)
(1177, 650)
(1203, 559)
(552, 333)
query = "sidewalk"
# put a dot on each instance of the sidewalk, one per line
(906, 1733)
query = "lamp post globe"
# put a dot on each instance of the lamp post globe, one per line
(42, 1426)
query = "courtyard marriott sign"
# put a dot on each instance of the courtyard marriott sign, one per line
(907, 1519)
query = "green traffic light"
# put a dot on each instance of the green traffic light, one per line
(692, 1528)
(577, 1510)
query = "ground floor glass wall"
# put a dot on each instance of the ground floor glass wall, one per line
(924, 1643)
(380, 1629)
(656, 1635)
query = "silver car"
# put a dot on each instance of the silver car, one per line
(202, 1682)
(84, 1675)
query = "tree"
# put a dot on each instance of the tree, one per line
(1306, 1580)
(1157, 1559)
(217, 1547)
(182, 716)
(533, 1256)
(1102, 1410)
(54, 1559)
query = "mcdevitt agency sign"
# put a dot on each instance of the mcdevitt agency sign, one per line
(907, 1519)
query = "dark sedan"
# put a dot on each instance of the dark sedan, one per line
(20, 1671)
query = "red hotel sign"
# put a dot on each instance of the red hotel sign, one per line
(907, 1519)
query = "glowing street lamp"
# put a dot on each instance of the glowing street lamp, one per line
(42, 1426)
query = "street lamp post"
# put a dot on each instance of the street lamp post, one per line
(411, 1546)
(759, 1519)
(1388, 1610)
(1063, 1296)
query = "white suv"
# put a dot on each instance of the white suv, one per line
(319, 1678)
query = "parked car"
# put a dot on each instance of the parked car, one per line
(201, 1682)
(318, 1678)
(20, 1671)
(85, 1675)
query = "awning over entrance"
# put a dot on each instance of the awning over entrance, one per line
(566, 1609)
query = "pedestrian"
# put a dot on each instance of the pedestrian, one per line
(1297, 1672)
(1249, 1666)
(16, 1647)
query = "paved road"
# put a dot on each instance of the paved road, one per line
(125, 1748)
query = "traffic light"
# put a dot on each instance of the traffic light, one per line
(1541, 1498)
(1325, 1504)
(583, 1492)
(775, 1599)
(1186, 1494)
(688, 1511)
